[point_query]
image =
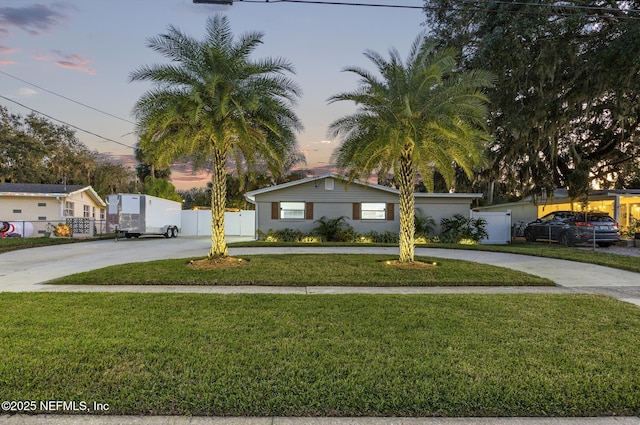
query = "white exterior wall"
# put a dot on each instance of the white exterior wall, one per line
(29, 209)
(52, 212)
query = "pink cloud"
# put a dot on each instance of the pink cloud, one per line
(75, 62)
(6, 62)
(7, 50)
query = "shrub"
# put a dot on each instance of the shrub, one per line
(460, 228)
(384, 237)
(334, 229)
(283, 235)
(424, 224)
(634, 227)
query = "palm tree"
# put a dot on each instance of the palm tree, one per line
(420, 116)
(215, 104)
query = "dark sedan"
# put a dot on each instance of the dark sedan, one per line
(571, 228)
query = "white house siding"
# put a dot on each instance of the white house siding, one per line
(27, 207)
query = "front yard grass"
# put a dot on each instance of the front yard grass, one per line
(310, 270)
(582, 254)
(553, 250)
(323, 355)
(12, 244)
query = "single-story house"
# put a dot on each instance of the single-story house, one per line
(366, 206)
(622, 205)
(42, 204)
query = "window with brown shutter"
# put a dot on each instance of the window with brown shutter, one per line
(390, 212)
(275, 210)
(308, 210)
(356, 211)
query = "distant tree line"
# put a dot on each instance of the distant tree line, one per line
(35, 150)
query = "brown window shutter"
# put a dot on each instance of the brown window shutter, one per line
(275, 210)
(308, 210)
(390, 212)
(356, 211)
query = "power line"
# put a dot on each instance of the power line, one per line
(66, 98)
(476, 6)
(340, 3)
(67, 124)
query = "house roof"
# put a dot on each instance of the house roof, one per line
(47, 191)
(251, 196)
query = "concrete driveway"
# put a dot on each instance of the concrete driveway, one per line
(28, 270)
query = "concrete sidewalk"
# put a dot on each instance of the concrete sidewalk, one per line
(185, 420)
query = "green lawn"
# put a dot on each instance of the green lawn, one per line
(539, 249)
(553, 250)
(12, 244)
(345, 355)
(310, 270)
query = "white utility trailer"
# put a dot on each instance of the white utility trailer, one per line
(138, 215)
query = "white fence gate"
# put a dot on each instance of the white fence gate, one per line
(498, 226)
(198, 223)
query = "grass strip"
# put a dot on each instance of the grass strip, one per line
(302, 355)
(553, 250)
(310, 270)
(580, 254)
(12, 244)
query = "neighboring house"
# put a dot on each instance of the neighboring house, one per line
(366, 206)
(622, 205)
(42, 204)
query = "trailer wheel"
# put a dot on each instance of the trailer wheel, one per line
(174, 232)
(167, 233)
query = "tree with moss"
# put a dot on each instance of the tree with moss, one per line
(565, 111)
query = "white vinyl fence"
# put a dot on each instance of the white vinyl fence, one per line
(198, 223)
(498, 226)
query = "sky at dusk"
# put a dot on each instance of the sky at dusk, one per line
(85, 50)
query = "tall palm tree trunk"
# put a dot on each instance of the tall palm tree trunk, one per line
(405, 181)
(218, 201)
